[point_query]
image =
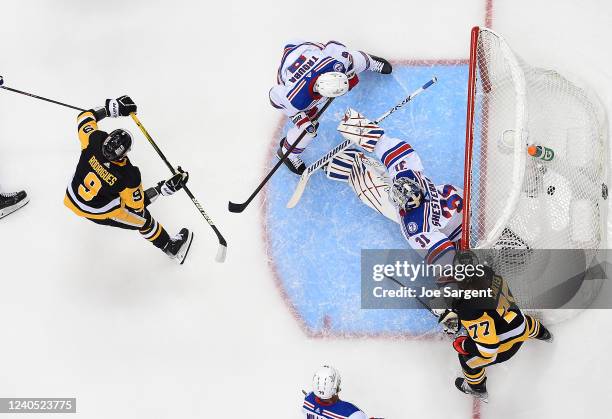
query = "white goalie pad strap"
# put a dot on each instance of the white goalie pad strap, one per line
(371, 184)
(341, 165)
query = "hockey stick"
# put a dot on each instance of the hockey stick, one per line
(423, 303)
(233, 207)
(301, 186)
(10, 89)
(419, 299)
(221, 253)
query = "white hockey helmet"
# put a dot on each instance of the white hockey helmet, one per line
(331, 84)
(326, 382)
(406, 193)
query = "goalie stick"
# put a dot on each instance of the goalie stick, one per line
(221, 253)
(420, 300)
(233, 207)
(301, 186)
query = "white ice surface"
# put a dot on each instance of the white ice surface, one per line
(100, 315)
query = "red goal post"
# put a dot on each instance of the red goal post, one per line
(496, 109)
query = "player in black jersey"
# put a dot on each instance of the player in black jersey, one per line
(106, 188)
(495, 326)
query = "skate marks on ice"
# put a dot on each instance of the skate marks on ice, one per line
(314, 248)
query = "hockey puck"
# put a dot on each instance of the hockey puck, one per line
(550, 190)
(1, 80)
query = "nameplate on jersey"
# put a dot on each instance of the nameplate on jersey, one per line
(300, 67)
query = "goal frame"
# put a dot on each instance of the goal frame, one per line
(519, 144)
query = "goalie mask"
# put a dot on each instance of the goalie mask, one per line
(406, 193)
(331, 84)
(326, 382)
(116, 146)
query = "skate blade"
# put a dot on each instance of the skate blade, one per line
(9, 210)
(478, 397)
(181, 255)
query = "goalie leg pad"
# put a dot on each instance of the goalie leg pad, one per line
(340, 167)
(371, 184)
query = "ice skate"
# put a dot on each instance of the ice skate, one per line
(11, 202)
(380, 65)
(480, 394)
(179, 245)
(293, 161)
(546, 336)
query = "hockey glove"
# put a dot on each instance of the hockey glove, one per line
(304, 123)
(122, 106)
(174, 184)
(449, 322)
(352, 79)
(359, 130)
(459, 345)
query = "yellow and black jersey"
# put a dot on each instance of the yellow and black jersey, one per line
(494, 324)
(99, 187)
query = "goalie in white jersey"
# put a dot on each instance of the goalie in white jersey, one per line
(308, 73)
(395, 185)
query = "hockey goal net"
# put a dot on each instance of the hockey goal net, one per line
(517, 205)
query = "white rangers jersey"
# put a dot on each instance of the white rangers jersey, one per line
(314, 408)
(435, 226)
(301, 64)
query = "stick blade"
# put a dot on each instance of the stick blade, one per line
(233, 207)
(299, 191)
(221, 253)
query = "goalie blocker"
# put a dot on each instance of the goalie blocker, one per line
(365, 175)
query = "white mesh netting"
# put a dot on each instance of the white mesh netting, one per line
(522, 202)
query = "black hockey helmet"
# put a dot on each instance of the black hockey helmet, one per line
(474, 274)
(464, 258)
(117, 145)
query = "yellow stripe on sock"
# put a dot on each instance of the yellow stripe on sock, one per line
(157, 233)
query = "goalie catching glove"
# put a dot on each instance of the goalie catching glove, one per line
(167, 187)
(359, 130)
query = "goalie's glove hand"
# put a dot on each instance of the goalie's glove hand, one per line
(359, 130)
(174, 184)
(304, 123)
(122, 106)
